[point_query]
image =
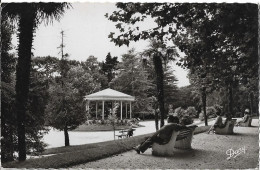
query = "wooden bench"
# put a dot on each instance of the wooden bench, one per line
(228, 129)
(247, 123)
(121, 136)
(179, 140)
(125, 133)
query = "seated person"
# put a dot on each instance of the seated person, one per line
(163, 135)
(130, 132)
(245, 118)
(218, 121)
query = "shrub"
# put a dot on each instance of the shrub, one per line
(211, 112)
(103, 122)
(191, 111)
(201, 116)
(179, 111)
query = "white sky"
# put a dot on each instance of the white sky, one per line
(87, 30)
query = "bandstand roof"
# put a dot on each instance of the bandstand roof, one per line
(109, 94)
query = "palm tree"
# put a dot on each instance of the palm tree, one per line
(160, 54)
(28, 17)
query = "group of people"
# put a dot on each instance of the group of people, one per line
(219, 123)
(163, 135)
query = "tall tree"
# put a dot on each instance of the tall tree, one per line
(65, 109)
(28, 15)
(93, 67)
(226, 33)
(160, 53)
(136, 84)
(109, 67)
(7, 91)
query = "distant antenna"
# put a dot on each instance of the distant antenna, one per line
(62, 45)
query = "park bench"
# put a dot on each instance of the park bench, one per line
(179, 140)
(125, 133)
(247, 123)
(228, 129)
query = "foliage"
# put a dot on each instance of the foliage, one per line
(46, 66)
(191, 112)
(77, 84)
(7, 92)
(185, 115)
(132, 79)
(211, 113)
(160, 52)
(112, 117)
(179, 111)
(94, 68)
(109, 67)
(28, 17)
(208, 34)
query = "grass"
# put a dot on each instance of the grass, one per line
(73, 155)
(94, 127)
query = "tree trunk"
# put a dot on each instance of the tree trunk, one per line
(204, 99)
(66, 135)
(251, 102)
(26, 29)
(156, 120)
(230, 100)
(157, 61)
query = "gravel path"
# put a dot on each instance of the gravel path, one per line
(209, 152)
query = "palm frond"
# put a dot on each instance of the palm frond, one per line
(48, 12)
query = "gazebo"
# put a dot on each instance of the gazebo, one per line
(110, 95)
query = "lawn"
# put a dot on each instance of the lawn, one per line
(73, 155)
(64, 157)
(105, 127)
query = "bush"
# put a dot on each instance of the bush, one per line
(211, 112)
(191, 111)
(102, 122)
(180, 112)
(201, 116)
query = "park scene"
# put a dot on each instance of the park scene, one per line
(129, 85)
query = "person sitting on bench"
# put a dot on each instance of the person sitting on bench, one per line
(130, 132)
(218, 121)
(163, 135)
(245, 118)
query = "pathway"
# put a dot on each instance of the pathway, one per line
(209, 151)
(55, 138)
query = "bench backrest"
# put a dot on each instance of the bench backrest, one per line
(184, 133)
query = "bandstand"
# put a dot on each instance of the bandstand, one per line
(110, 95)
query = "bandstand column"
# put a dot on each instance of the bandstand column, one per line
(130, 110)
(103, 109)
(126, 110)
(96, 108)
(121, 110)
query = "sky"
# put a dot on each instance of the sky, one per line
(86, 33)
